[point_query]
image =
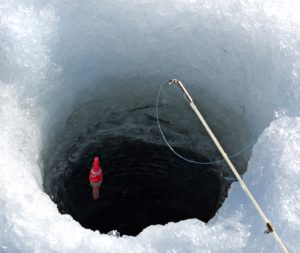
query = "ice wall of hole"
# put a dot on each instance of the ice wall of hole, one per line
(144, 182)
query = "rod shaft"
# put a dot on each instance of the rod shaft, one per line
(268, 224)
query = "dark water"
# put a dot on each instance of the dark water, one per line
(144, 184)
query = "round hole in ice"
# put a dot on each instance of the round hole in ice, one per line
(144, 182)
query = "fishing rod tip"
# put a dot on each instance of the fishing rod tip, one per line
(173, 82)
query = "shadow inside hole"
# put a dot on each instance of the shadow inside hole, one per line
(144, 184)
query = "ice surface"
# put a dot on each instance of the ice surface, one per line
(241, 60)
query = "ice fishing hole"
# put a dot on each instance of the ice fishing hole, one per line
(144, 182)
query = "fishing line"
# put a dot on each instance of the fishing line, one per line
(172, 149)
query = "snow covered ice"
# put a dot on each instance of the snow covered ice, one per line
(241, 62)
